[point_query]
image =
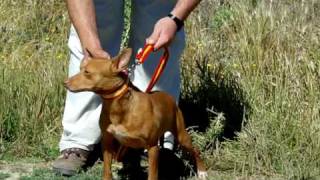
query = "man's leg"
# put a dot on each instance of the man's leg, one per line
(80, 121)
(145, 14)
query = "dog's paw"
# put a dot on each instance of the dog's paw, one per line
(202, 175)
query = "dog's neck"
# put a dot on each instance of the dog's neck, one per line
(118, 92)
(121, 91)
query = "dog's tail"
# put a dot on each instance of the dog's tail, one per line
(180, 125)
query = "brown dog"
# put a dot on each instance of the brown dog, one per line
(133, 118)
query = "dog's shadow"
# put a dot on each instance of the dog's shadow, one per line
(171, 167)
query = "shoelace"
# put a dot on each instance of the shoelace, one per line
(71, 151)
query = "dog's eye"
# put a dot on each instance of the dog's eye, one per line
(86, 72)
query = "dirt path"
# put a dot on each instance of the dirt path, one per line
(18, 169)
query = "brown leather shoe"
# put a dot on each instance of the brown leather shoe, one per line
(70, 162)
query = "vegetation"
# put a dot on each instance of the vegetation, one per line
(250, 71)
(33, 63)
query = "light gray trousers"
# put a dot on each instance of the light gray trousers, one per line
(82, 110)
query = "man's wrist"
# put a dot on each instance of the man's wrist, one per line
(91, 43)
(177, 21)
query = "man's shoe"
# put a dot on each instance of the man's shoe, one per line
(70, 162)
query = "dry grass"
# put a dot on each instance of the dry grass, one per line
(33, 57)
(270, 50)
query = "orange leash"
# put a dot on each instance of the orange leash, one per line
(143, 55)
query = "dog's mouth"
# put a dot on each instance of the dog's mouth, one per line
(92, 89)
(75, 89)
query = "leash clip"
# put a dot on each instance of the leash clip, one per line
(136, 62)
(142, 55)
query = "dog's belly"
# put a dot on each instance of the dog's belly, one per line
(126, 138)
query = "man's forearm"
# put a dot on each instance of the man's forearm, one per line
(184, 7)
(82, 15)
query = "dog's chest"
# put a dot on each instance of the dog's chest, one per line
(116, 112)
(117, 117)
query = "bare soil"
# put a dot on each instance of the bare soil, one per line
(18, 169)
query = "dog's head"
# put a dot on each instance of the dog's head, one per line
(100, 74)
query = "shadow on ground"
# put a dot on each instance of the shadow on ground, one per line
(216, 91)
(171, 167)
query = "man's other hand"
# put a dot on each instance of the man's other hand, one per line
(163, 33)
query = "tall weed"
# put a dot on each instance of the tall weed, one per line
(271, 49)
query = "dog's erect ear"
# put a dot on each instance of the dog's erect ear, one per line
(84, 62)
(87, 54)
(86, 58)
(122, 60)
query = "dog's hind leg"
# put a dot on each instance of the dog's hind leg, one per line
(186, 143)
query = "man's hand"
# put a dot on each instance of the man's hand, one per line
(83, 17)
(95, 53)
(165, 29)
(163, 33)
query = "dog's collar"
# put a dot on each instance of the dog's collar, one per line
(118, 93)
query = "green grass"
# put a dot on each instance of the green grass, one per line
(32, 64)
(270, 51)
(254, 64)
(4, 175)
(47, 174)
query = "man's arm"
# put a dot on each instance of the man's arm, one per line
(83, 17)
(184, 7)
(165, 29)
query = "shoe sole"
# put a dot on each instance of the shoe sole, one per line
(64, 172)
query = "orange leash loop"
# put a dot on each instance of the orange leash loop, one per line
(143, 55)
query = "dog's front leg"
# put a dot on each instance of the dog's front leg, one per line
(153, 154)
(107, 150)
